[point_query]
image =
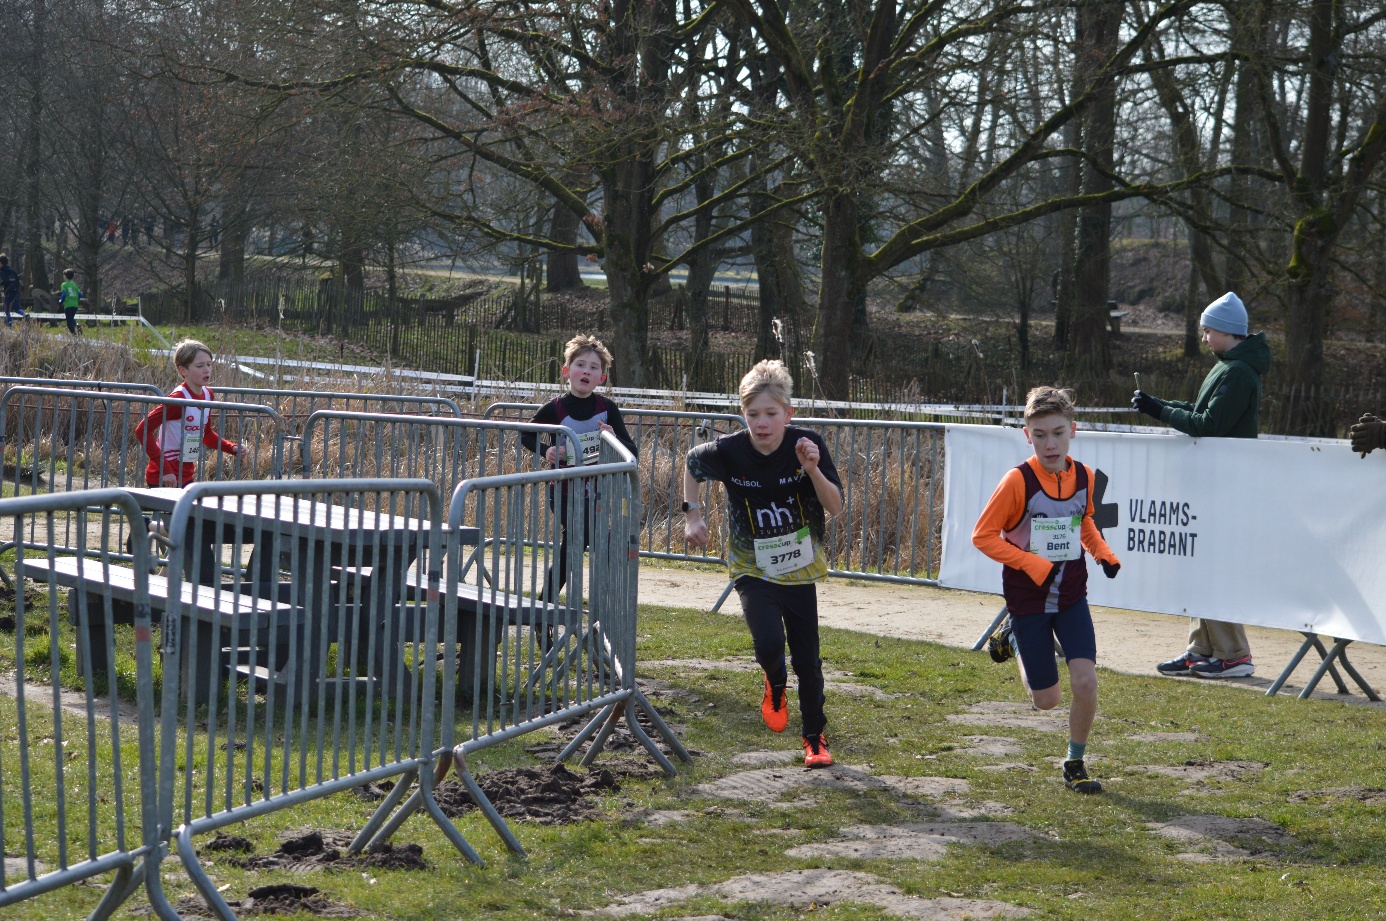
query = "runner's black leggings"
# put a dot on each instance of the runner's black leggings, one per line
(776, 613)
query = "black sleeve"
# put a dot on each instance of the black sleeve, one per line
(547, 415)
(705, 463)
(618, 424)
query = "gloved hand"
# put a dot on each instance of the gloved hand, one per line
(1143, 402)
(1368, 434)
(1111, 569)
(1053, 572)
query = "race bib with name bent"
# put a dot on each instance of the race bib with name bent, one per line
(779, 556)
(1056, 539)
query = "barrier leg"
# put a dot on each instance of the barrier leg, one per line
(487, 808)
(599, 740)
(1310, 640)
(991, 628)
(586, 732)
(1332, 669)
(363, 839)
(127, 880)
(633, 721)
(1352, 672)
(721, 599)
(199, 876)
(1324, 666)
(670, 738)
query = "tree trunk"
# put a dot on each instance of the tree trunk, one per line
(1070, 176)
(234, 231)
(35, 266)
(563, 271)
(1099, 22)
(190, 292)
(1248, 29)
(837, 297)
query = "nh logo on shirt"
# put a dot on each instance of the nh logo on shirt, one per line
(773, 516)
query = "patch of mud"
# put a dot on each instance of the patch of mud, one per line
(911, 841)
(549, 796)
(746, 664)
(813, 889)
(278, 899)
(1012, 715)
(1203, 771)
(1168, 737)
(1219, 838)
(1368, 796)
(955, 811)
(314, 850)
(1011, 766)
(224, 843)
(769, 785)
(789, 756)
(853, 689)
(989, 746)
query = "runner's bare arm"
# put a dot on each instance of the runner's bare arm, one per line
(828, 494)
(694, 527)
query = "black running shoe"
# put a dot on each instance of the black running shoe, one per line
(1076, 777)
(999, 645)
(1181, 664)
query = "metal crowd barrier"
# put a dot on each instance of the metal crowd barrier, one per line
(337, 443)
(68, 804)
(531, 653)
(58, 440)
(662, 441)
(297, 406)
(66, 384)
(332, 628)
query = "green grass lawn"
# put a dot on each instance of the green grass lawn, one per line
(1088, 857)
(226, 341)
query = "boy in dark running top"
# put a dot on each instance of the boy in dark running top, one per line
(1037, 524)
(586, 362)
(779, 480)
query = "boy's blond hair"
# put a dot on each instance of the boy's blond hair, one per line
(1049, 401)
(585, 343)
(770, 377)
(185, 352)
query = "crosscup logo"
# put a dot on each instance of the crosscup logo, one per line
(774, 516)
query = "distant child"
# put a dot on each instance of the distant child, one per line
(1037, 524)
(174, 443)
(70, 296)
(780, 480)
(1228, 406)
(586, 363)
(9, 288)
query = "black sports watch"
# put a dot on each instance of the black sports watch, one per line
(691, 505)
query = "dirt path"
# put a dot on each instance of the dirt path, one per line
(1130, 642)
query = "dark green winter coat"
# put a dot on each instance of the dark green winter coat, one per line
(1229, 402)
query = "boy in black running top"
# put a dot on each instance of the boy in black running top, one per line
(587, 413)
(779, 480)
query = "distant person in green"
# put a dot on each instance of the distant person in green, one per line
(70, 296)
(1228, 406)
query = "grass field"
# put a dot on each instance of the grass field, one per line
(1206, 761)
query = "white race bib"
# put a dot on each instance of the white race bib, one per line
(1056, 539)
(778, 556)
(192, 447)
(589, 443)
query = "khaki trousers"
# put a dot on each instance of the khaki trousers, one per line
(1218, 639)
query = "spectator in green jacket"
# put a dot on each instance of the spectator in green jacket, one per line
(1228, 406)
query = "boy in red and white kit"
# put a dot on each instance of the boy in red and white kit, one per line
(173, 436)
(1037, 524)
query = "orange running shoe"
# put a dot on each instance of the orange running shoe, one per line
(816, 752)
(773, 710)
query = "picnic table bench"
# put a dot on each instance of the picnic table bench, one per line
(232, 619)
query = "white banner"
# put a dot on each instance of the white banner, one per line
(1273, 533)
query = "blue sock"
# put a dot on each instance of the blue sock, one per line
(1076, 750)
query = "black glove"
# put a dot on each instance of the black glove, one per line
(1143, 402)
(1368, 434)
(1111, 569)
(1049, 579)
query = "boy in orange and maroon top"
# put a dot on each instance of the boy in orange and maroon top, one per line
(174, 436)
(1037, 524)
